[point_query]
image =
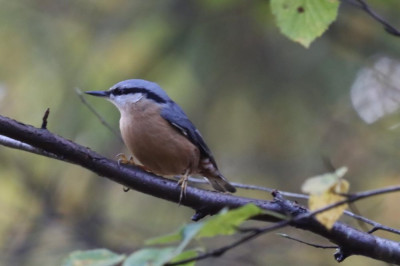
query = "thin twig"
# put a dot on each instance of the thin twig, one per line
(250, 187)
(15, 144)
(355, 210)
(102, 120)
(306, 243)
(270, 190)
(376, 226)
(364, 6)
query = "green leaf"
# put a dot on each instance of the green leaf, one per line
(227, 223)
(224, 223)
(186, 255)
(304, 20)
(184, 233)
(96, 257)
(150, 256)
(165, 239)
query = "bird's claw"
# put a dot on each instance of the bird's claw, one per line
(122, 159)
(183, 184)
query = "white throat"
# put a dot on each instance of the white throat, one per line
(122, 100)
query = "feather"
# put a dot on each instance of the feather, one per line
(178, 119)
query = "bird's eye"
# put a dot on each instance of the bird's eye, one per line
(117, 91)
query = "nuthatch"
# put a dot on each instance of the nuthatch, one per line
(160, 135)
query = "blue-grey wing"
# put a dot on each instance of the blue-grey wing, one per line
(178, 119)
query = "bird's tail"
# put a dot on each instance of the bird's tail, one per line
(209, 169)
(221, 184)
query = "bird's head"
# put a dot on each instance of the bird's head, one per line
(131, 91)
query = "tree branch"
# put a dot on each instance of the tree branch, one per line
(203, 201)
(350, 240)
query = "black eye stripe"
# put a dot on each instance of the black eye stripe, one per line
(149, 94)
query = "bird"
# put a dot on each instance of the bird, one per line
(160, 136)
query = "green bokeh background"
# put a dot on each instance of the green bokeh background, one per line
(268, 108)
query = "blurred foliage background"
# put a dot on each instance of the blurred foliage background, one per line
(269, 109)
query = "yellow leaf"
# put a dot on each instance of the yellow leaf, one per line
(325, 190)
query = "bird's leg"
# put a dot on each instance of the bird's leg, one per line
(183, 183)
(122, 159)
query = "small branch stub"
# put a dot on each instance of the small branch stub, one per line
(44, 119)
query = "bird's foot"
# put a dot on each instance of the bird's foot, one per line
(122, 159)
(183, 184)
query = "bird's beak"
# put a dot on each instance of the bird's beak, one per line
(98, 93)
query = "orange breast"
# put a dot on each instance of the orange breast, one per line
(155, 143)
